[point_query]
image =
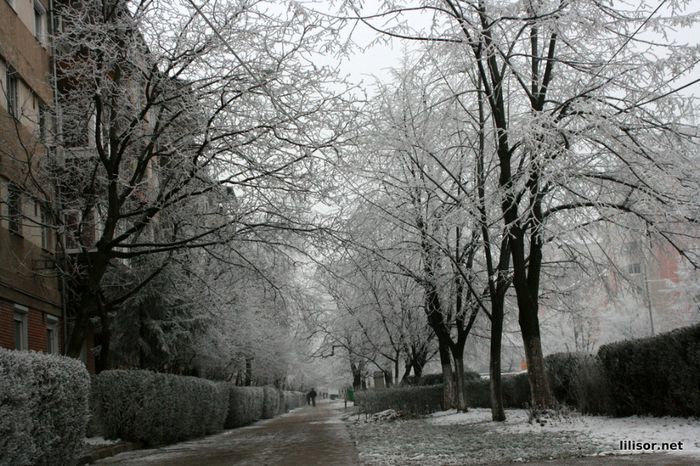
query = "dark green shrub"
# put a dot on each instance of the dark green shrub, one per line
(425, 399)
(478, 393)
(592, 392)
(43, 408)
(422, 399)
(576, 380)
(436, 379)
(658, 375)
(561, 374)
(516, 392)
(430, 379)
(158, 408)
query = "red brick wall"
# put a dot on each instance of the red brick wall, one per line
(36, 331)
(36, 328)
(668, 260)
(7, 339)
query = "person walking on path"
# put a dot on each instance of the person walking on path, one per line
(312, 397)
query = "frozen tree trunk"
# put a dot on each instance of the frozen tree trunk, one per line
(103, 359)
(448, 389)
(248, 380)
(460, 398)
(357, 381)
(418, 363)
(388, 381)
(417, 369)
(497, 411)
(539, 387)
(396, 368)
(406, 371)
(87, 304)
(526, 281)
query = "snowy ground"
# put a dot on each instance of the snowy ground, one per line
(471, 438)
(99, 441)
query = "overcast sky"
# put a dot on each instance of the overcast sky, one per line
(379, 58)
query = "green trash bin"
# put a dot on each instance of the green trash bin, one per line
(349, 396)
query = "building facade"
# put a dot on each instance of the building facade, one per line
(31, 316)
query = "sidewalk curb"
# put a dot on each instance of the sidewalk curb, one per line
(105, 451)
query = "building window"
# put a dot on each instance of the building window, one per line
(39, 20)
(51, 333)
(45, 230)
(11, 87)
(632, 247)
(634, 268)
(51, 340)
(14, 208)
(71, 238)
(21, 332)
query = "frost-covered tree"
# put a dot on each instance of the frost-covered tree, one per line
(181, 128)
(588, 123)
(412, 195)
(252, 332)
(384, 307)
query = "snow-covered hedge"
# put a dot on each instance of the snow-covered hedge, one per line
(271, 403)
(43, 408)
(245, 405)
(293, 400)
(658, 375)
(158, 408)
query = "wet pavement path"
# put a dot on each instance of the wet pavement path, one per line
(307, 436)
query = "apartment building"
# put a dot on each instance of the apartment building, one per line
(31, 316)
(662, 296)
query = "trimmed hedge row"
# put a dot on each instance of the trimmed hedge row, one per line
(423, 399)
(436, 379)
(658, 375)
(271, 402)
(293, 400)
(245, 405)
(43, 408)
(156, 408)
(516, 392)
(249, 404)
(420, 399)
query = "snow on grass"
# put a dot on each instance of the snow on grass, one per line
(425, 441)
(608, 432)
(99, 441)
(449, 437)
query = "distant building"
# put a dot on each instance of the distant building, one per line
(644, 287)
